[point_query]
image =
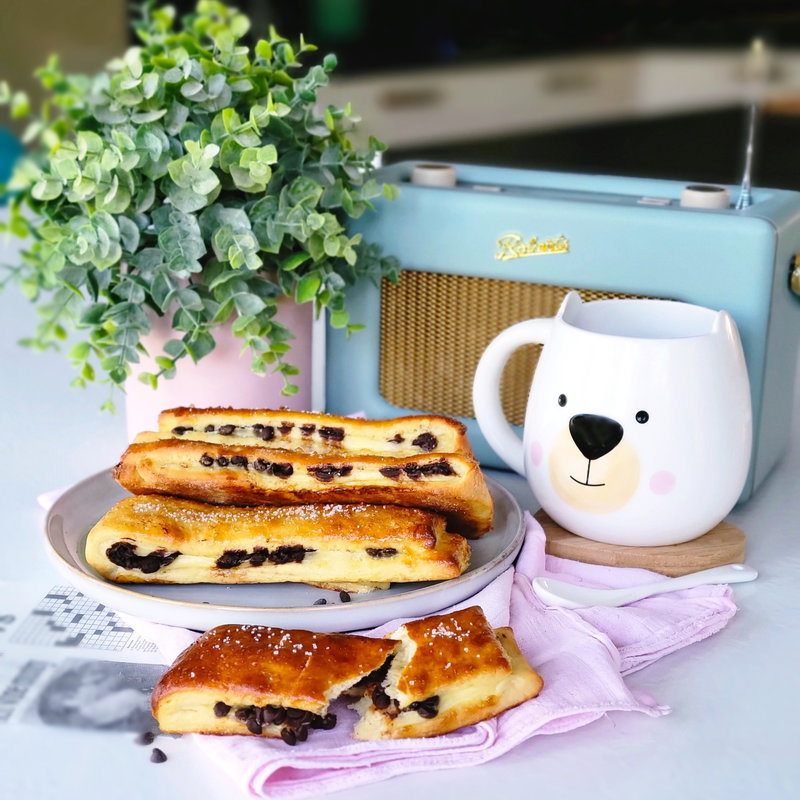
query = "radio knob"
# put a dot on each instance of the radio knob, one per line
(703, 195)
(433, 175)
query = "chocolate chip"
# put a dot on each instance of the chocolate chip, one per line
(288, 553)
(254, 726)
(344, 597)
(267, 433)
(231, 558)
(259, 556)
(414, 471)
(285, 427)
(381, 552)
(222, 461)
(158, 756)
(123, 555)
(323, 472)
(428, 711)
(209, 428)
(321, 602)
(145, 737)
(181, 429)
(226, 430)
(390, 472)
(221, 709)
(261, 465)
(270, 714)
(426, 441)
(245, 713)
(206, 460)
(427, 708)
(239, 461)
(301, 733)
(289, 736)
(334, 434)
(380, 699)
(298, 715)
(307, 430)
(326, 723)
(437, 468)
(279, 716)
(327, 472)
(397, 439)
(282, 470)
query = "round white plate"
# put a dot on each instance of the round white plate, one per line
(285, 605)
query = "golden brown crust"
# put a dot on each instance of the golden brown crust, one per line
(459, 644)
(449, 671)
(162, 539)
(243, 475)
(244, 666)
(250, 670)
(325, 434)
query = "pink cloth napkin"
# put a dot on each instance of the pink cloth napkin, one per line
(581, 655)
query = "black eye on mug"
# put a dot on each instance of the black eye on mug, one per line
(642, 417)
(562, 400)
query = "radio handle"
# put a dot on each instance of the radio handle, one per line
(486, 388)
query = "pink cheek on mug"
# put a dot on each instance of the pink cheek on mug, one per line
(536, 453)
(662, 482)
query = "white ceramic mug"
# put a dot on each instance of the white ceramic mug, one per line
(638, 428)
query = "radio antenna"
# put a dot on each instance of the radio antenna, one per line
(757, 66)
(745, 198)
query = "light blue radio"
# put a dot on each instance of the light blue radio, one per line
(501, 245)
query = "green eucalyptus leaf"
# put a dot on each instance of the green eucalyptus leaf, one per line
(148, 116)
(307, 287)
(200, 345)
(129, 234)
(174, 348)
(48, 188)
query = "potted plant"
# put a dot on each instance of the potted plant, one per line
(194, 180)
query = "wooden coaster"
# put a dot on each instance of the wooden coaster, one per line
(724, 544)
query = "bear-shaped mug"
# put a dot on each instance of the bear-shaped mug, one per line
(638, 428)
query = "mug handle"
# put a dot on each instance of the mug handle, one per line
(486, 388)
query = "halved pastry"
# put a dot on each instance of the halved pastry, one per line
(318, 433)
(449, 671)
(261, 681)
(160, 539)
(449, 484)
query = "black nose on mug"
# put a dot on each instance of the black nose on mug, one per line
(595, 435)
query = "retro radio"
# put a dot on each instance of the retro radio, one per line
(497, 246)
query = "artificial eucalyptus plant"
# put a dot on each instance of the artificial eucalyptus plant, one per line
(197, 178)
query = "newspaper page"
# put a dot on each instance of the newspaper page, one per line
(67, 660)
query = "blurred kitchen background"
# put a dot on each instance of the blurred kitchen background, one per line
(655, 88)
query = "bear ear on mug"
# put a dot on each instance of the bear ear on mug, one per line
(638, 428)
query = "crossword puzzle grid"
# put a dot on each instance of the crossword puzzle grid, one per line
(67, 618)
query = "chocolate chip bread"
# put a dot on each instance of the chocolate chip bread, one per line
(160, 539)
(449, 671)
(260, 681)
(450, 484)
(430, 677)
(324, 434)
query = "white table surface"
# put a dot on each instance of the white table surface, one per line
(733, 731)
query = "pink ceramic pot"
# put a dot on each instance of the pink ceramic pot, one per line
(222, 378)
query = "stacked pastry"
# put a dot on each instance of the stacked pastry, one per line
(254, 496)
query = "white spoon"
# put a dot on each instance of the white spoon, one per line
(568, 595)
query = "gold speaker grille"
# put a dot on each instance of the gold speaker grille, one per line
(435, 327)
